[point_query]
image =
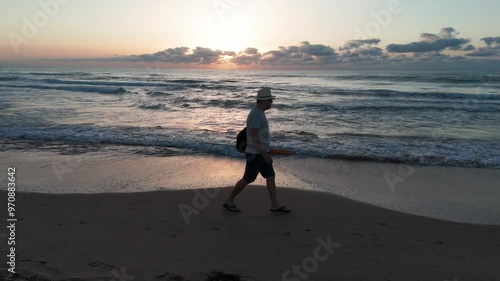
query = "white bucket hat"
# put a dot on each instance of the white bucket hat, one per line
(264, 94)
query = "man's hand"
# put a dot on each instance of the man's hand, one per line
(267, 157)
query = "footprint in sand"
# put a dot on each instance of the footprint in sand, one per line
(215, 276)
(100, 264)
(432, 242)
(170, 276)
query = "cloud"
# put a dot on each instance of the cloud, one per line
(179, 55)
(172, 55)
(316, 50)
(230, 53)
(359, 43)
(446, 39)
(305, 54)
(205, 56)
(428, 37)
(359, 51)
(492, 48)
(468, 48)
(448, 33)
(247, 57)
(491, 41)
(352, 54)
(251, 51)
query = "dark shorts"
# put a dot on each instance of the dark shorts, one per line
(255, 165)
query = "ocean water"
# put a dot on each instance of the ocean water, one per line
(418, 118)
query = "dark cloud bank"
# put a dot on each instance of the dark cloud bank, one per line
(439, 50)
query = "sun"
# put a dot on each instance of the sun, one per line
(226, 36)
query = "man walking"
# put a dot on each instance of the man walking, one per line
(257, 153)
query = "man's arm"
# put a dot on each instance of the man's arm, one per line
(254, 134)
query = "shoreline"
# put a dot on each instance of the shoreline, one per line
(78, 148)
(88, 236)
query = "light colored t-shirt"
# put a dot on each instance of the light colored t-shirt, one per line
(257, 119)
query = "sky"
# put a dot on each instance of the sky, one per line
(252, 34)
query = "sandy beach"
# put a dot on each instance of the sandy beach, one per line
(145, 236)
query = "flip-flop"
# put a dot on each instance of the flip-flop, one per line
(231, 208)
(282, 209)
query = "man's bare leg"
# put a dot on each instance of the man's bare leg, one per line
(271, 188)
(240, 185)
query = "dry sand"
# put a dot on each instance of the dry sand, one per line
(143, 236)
